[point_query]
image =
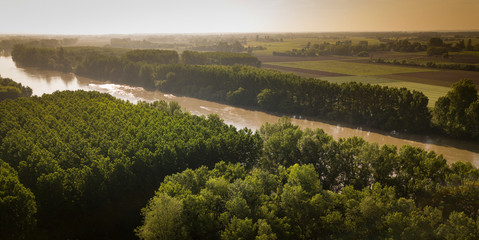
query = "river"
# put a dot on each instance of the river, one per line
(43, 81)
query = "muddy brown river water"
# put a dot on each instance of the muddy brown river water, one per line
(44, 82)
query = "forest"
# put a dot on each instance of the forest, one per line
(360, 104)
(10, 89)
(84, 165)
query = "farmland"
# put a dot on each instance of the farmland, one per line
(433, 82)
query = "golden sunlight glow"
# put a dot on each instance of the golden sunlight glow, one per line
(193, 16)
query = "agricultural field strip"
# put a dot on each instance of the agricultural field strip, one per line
(351, 68)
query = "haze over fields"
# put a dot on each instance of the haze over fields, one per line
(207, 16)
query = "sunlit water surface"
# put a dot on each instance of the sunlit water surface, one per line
(45, 82)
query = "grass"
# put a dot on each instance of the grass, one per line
(351, 68)
(432, 92)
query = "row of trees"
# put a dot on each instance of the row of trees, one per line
(364, 104)
(68, 59)
(347, 48)
(218, 58)
(429, 64)
(10, 89)
(435, 46)
(222, 46)
(342, 48)
(8, 44)
(308, 186)
(82, 164)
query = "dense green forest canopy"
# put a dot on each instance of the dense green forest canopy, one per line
(308, 186)
(82, 165)
(10, 89)
(92, 161)
(230, 202)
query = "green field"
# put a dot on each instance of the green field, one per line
(298, 43)
(351, 68)
(431, 91)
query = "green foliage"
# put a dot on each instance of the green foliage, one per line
(435, 42)
(291, 203)
(429, 64)
(456, 113)
(92, 171)
(163, 219)
(348, 189)
(17, 205)
(219, 58)
(10, 89)
(92, 160)
(413, 172)
(153, 56)
(239, 229)
(458, 226)
(363, 54)
(347, 48)
(436, 51)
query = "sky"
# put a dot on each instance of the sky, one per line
(213, 16)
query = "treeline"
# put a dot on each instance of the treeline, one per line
(222, 46)
(143, 44)
(366, 105)
(347, 48)
(10, 89)
(82, 164)
(375, 106)
(434, 47)
(429, 64)
(8, 44)
(342, 48)
(308, 186)
(218, 58)
(153, 56)
(69, 59)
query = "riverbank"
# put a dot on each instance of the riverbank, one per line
(43, 81)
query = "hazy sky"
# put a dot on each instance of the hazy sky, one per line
(205, 16)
